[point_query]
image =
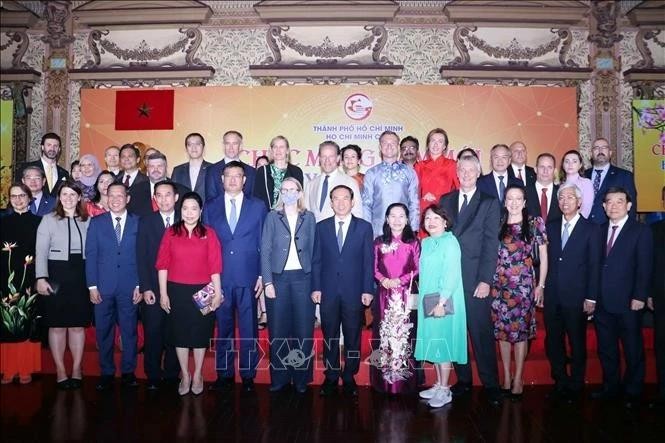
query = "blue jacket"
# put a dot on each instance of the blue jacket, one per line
(213, 186)
(615, 177)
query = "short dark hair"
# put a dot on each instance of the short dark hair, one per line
(407, 234)
(341, 187)
(384, 133)
(329, 143)
(438, 210)
(438, 131)
(23, 187)
(196, 134)
(354, 148)
(117, 183)
(200, 229)
(74, 163)
(136, 150)
(81, 211)
(470, 151)
(233, 164)
(410, 138)
(166, 183)
(51, 135)
(156, 156)
(261, 157)
(33, 168)
(232, 132)
(543, 155)
(618, 190)
(98, 195)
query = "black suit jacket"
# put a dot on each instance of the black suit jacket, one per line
(140, 178)
(533, 203)
(573, 273)
(487, 184)
(181, 175)
(477, 230)
(528, 172)
(264, 184)
(140, 202)
(151, 231)
(62, 175)
(615, 177)
(658, 280)
(626, 271)
(213, 181)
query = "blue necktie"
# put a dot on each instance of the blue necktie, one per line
(502, 188)
(118, 231)
(324, 192)
(596, 181)
(233, 219)
(565, 235)
(465, 203)
(340, 236)
(33, 207)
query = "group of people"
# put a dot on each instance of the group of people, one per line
(437, 250)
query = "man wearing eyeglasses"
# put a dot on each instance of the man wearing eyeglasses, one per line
(604, 175)
(42, 202)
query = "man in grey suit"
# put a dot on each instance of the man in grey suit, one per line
(192, 174)
(475, 218)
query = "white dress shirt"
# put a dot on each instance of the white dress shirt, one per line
(620, 224)
(314, 188)
(292, 260)
(194, 170)
(460, 198)
(571, 224)
(171, 216)
(603, 174)
(227, 205)
(54, 171)
(123, 220)
(496, 175)
(345, 226)
(132, 177)
(539, 190)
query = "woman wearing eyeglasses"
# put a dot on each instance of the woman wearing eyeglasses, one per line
(287, 245)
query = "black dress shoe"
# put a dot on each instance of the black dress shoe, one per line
(301, 389)
(222, 384)
(129, 381)
(556, 394)
(494, 396)
(658, 403)
(328, 388)
(573, 395)
(631, 402)
(75, 383)
(105, 383)
(248, 384)
(278, 389)
(64, 385)
(350, 389)
(459, 389)
(152, 385)
(604, 394)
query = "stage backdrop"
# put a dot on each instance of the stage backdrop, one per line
(649, 151)
(477, 116)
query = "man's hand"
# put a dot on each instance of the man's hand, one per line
(136, 297)
(270, 291)
(482, 290)
(429, 197)
(650, 303)
(366, 299)
(43, 288)
(316, 297)
(149, 297)
(636, 305)
(95, 296)
(258, 287)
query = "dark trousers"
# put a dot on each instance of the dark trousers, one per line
(627, 327)
(336, 311)
(659, 343)
(116, 308)
(154, 346)
(479, 323)
(563, 322)
(240, 301)
(291, 329)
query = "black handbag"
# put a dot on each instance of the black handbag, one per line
(535, 251)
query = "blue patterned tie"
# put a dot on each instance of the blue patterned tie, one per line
(340, 236)
(324, 192)
(33, 207)
(118, 229)
(502, 188)
(596, 181)
(233, 219)
(565, 235)
(168, 221)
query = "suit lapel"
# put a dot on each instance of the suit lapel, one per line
(199, 178)
(619, 239)
(349, 233)
(465, 217)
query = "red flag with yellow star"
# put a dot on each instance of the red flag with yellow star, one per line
(143, 109)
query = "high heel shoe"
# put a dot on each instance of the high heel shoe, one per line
(516, 396)
(183, 388)
(197, 388)
(507, 391)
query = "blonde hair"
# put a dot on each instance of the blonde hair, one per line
(279, 206)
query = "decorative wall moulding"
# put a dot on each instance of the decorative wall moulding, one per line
(534, 13)
(13, 46)
(13, 15)
(20, 75)
(143, 75)
(647, 83)
(648, 13)
(326, 74)
(515, 74)
(109, 13)
(280, 12)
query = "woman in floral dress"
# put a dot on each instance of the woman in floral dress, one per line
(396, 256)
(515, 289)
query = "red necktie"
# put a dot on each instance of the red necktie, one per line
(519, 174)
(154, 205)
(127, 180)
(610, 243)
(543, 204)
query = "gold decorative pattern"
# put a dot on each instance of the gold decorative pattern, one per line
(57, 13)
(605, 13)
(641, 39)
(20, 37)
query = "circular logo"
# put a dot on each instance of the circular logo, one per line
(358, 106)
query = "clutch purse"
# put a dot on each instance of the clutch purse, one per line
(203, 298)
(431, 300)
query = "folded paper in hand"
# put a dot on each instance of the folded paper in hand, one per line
(203, 298)
(431, 300)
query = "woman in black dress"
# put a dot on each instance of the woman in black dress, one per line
(189, 258)
(60, 272)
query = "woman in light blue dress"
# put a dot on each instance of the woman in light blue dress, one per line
(441, 337)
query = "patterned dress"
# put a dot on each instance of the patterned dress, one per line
(513, 307)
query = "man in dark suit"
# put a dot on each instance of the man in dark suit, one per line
(232, 147)
(571, 291)
(604, 175)
(541, 197)
(342, 282)
(624, 286)
(48, 163)
(193, 173)
(496, 182)
(238, 221)
(129, 161)
(112, 276)
(42, 202)
(475, 218)
(143, 201)
(656, 302)
(518, 168)
(112, 160)
(151, 230)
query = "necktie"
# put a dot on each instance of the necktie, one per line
(33, 207)
(465, 203)
(233, 219)
(49, 176)
(340, 236)
(324, 192)
(519, 174)
(502, 188)
(118, 229)
(543, 204)
(127, 180)
(596, 181)
(168, 221)
(565, 235)
(610, 243)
